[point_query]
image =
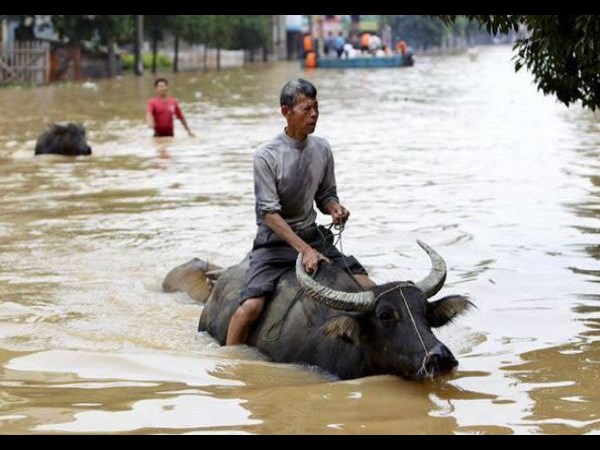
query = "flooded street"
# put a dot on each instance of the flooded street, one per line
(464, 155)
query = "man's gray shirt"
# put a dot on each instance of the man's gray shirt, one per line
(289, 176)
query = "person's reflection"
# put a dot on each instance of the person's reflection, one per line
(162, 147)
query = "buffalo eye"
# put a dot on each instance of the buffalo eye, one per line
(387, 318)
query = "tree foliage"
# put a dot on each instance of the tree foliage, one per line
(251, 32)
(101, 28)
(422, 31)
(155, 25)
(195, 28)
(561, 51)
(232, 32)
(222, 31)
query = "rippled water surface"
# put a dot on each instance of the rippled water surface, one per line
(465, 155)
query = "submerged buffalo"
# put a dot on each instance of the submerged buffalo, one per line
(67, 140)
(327, 321)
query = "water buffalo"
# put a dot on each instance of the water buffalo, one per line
(327, 321)
(67, 140)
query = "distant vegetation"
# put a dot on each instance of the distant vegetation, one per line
(226, 32)
(240, 32)
(424, 32)
(163, 61)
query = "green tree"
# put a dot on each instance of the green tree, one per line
(561, 51)
(106, 30)
(251, 33)
(222, 33)
(114, 29)
(155, 25)
(423, 32)
(74, 28)
(96, 28)
(197, 29)
(466, 29)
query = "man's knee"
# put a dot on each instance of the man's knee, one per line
(364, 281)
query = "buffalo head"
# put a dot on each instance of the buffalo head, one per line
(67, 140)
(390, 326)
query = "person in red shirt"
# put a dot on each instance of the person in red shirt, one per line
(161, 110)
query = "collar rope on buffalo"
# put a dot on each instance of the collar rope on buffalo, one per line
(427, 353)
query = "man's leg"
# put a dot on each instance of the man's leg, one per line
(364, 281)
(242, 320)
(348, 263)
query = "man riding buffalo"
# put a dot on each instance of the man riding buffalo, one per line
(330, 315)
(292, 173)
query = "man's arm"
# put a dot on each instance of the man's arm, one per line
(184, 122)
(326, 197)
(181, 117)
(150, 119)
(310, 257)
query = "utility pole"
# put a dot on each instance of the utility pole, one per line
(138, 67)
(320, 34)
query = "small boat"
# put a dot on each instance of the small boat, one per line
(364, 62)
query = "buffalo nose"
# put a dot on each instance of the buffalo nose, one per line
(440, 360)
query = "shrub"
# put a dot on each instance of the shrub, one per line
(162, 61)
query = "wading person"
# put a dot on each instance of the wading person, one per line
(161, 111)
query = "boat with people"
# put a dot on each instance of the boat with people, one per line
(365, 62)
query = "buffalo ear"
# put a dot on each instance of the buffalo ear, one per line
(77, 128)
(345, 328)
(59, 130)
(443, 311)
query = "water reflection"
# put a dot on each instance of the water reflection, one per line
(164, 393)
(562, 384)
(169, 394)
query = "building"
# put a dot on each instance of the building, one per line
(279, 50)
(31, 52)
(295, 26)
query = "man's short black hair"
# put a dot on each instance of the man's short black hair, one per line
(294, 88)
(161, 80)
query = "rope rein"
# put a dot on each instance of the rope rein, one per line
(340, 230)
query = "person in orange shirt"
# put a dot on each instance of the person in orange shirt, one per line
(365, 42)
(308, 44)
(402, 47)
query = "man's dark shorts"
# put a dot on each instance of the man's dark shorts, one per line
(271, 257)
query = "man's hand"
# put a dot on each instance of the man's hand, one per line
(339, 214)
(311, 259)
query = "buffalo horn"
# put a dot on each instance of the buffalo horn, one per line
(432, 284)
(343, 301)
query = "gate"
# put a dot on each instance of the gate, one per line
(25, 62)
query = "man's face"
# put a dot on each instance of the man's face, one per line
(162, 89)
(303, 116)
